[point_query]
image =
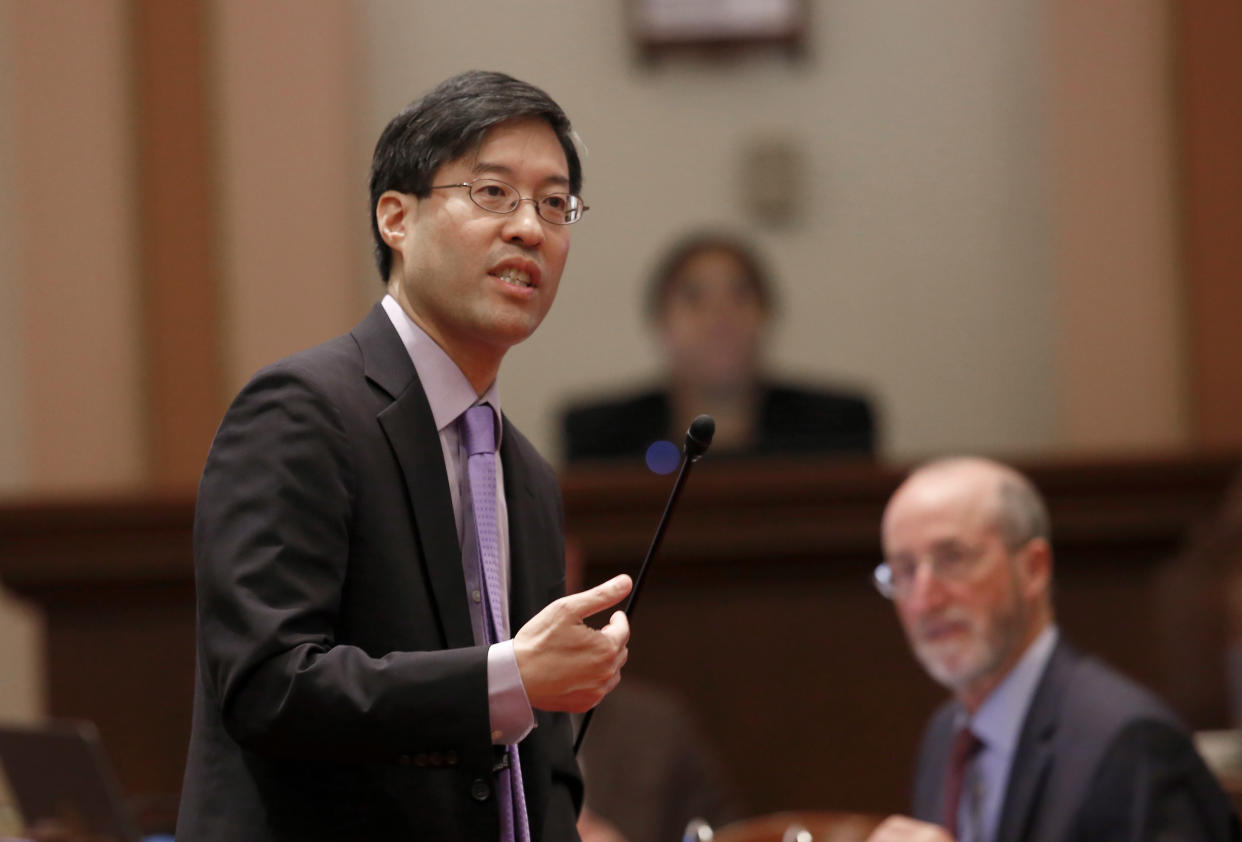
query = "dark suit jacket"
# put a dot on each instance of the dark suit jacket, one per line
(339, 694)
(791, 420)
(1099, 759)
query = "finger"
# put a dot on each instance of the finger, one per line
(619, 663)
(618, 629)
(888, 830)
(586, 603)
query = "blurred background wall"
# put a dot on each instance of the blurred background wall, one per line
(991, 228)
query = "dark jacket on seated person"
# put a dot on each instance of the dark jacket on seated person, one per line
(791, 420)
(1099, 759)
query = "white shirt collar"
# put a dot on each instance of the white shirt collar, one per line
(448, 390)
(998, 722)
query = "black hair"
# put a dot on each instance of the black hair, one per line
(444, 124)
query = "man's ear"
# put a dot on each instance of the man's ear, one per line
(1037, 565)
(392, 213)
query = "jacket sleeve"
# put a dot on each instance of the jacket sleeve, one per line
(272, 555)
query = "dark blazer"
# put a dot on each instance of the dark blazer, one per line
(1099, 759)
(791, 420)
(339, 692)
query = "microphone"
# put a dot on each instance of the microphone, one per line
(698, 439)
(699, 436)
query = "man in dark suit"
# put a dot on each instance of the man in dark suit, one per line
(356, 679)
(1040, 743)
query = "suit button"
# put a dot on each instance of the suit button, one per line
(480, 790)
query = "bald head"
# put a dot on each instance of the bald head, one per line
(998, 495)
(967, 550)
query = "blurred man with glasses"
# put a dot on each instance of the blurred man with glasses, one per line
(385, 650)
(1040, 743)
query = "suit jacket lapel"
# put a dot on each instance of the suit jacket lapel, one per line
(1033, 757)
(411, 431)
(929, 781)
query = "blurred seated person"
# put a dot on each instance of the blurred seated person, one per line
(648, 769)
(1215, 546)
(646, 766)
(710, 303)
(1040, 742)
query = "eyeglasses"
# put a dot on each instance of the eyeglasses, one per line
(949, 563)
(498, 197)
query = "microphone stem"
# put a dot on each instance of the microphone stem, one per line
(658, 537)
(686, 462)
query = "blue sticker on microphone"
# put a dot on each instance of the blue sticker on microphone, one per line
(662, 457)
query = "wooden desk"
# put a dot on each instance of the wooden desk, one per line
(759, 611)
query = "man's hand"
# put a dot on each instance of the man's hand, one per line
(905, 829)
(595, 828)
(565, 664)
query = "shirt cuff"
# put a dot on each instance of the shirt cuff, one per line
(511, 715)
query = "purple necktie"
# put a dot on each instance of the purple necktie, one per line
(480, 430)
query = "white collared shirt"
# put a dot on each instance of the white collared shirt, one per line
(998, 723)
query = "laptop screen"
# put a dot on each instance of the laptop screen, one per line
(58, 773)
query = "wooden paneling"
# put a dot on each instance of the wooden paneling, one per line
(1207, 35)
(759, 611)
(184, 391)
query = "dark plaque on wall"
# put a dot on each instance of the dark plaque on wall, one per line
(662, 26)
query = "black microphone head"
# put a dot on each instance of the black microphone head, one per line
(699, 436)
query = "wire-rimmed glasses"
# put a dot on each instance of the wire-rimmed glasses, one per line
(498, 196)
(951, 562)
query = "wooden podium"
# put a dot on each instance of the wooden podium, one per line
(759, 611)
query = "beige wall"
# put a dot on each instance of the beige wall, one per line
(925, 266)
(72, 254)
(72, 422)
(292, 189)
(20, 690)
(1118, 321)
(12, 428)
